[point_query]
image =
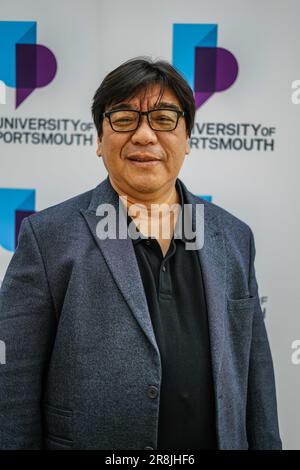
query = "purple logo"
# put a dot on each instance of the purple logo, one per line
(24, 65)
(207, 68)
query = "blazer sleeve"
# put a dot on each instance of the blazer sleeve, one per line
(262, 419)
(27, 327)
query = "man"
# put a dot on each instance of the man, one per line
(137, 341)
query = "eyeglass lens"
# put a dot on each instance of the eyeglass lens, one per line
(159, 119)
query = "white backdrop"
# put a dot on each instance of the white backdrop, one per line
(89, 39)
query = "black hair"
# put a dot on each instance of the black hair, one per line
(127, 80)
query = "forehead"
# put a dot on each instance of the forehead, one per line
(149, 97)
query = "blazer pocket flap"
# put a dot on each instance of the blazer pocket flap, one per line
(247, 304)
(239, 318)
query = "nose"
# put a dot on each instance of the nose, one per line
(144, 135)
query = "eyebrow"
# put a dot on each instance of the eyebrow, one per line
(165, 104)
(161, 105)
(122, 106)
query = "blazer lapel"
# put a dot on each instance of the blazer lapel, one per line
(213, 265)
(120, 258)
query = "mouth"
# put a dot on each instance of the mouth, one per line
(143, 160)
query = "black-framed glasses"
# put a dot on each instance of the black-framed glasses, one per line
(126, 120)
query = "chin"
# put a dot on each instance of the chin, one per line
(145, 185)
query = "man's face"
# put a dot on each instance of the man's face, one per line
(119, 149)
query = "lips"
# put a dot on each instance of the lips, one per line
(143, 158)
(143, 161)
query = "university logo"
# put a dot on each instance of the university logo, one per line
(24, 65)
(207, 68)
(206, 197)
(15, 205)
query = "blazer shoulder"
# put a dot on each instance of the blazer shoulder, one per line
(230, 223)
(61, 214)
(214, 213)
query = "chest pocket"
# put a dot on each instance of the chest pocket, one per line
(239, 320)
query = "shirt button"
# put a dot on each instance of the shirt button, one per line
(152, 391)
(164, 269)
(148, 242)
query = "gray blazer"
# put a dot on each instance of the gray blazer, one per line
(81, 352)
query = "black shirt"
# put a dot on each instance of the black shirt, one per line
(176, 300)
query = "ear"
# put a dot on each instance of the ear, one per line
(187, 146)
(99, 147)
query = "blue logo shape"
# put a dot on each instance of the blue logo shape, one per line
(11, 34)
(186, 37)
(15, 204)
(207, 68)
(24, 65)
(206, 197)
